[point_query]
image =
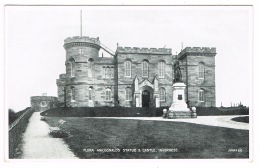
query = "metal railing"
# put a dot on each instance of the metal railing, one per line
(108, 50)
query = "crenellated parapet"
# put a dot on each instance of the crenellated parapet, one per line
(137, 50)
(43, 98)
(200, 51)
(84, 41)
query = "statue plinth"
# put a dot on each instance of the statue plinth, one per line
(179, 108)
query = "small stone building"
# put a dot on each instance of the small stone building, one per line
(41, 103)
(133, 77)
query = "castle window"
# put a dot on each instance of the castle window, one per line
(201, 95)
(90, 90)
(109, 72)
(128, 94)
(105, 72)
(161, 69)
(72, 68)
(128, 68)
(80, 51)
(162, 94)
(73, 92)
(43, 104)
(112, 72)
(108, 94)
(201, 71)
(145, 69)
(90, 67)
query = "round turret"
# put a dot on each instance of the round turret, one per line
(77, 46)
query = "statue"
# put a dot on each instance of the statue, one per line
(177, 72)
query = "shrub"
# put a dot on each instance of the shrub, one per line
(43, 119)
(59, 134)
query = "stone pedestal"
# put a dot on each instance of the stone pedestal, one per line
(91, 103)
(179, 108)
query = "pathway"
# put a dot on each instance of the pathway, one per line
(39, 145)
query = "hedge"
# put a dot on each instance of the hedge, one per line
(100, 112)
(135, 111)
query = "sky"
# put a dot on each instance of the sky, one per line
(34, 38)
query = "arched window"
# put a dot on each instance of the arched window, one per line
(108, 72)
(112, 72)
(201, 71)
(43, 104)
(90, 66)
(108, 94)
(162, 94)
(90, 90)
(201, 95)
(161, 69)
(71, 68)
(104, 72)
(145, 68)
(128, 67)
(128, 94)
(73, 93)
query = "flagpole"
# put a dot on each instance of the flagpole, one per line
(80, 23)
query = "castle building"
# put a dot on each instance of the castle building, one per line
(44, 102)
(133, 77)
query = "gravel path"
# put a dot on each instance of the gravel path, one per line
(39, 145)
(219, 121)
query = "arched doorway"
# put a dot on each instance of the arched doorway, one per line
(145, 98)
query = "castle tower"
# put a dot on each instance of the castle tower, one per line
(199, 75)
(81, 54)
(89, 80)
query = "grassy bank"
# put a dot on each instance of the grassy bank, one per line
(241, 119)
(15, 135)
(184, 140)
(13, 115)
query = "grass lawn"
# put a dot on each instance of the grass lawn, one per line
(241, 119)
(185, 140)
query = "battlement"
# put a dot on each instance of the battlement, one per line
(44, 98)
(197, 50)
(82, 39)
(137, 50)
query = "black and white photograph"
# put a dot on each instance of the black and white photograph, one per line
(128, 82)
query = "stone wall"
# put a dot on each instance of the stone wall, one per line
(41, 103)
(85, 70)
(137, 55)
(190, 60)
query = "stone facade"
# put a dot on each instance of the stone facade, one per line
(133, 77)
(41, 103)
